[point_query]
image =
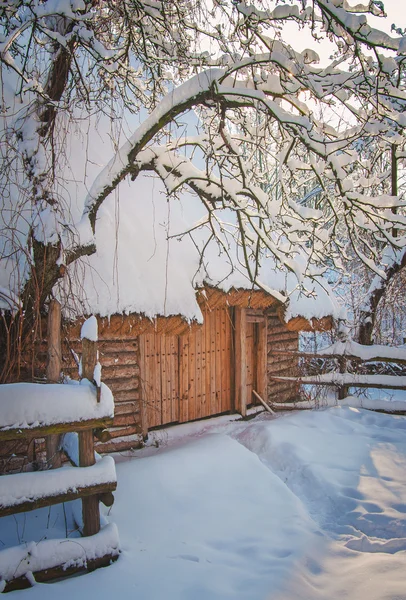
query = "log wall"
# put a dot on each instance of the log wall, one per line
(204, 390)
(120, 360)
(280, 338)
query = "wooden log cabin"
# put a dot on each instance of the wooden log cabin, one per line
(165, 370)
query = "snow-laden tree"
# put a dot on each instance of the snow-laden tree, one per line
(273, 123)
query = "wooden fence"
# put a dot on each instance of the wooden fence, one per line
(359, 358)
(91, 481)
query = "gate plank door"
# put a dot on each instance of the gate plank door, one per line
(160, 378)
(205, 355)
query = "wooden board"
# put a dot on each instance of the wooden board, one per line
(39, 432)
(160, 379)
(77, 492)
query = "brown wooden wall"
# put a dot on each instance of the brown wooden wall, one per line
(160, 379)
(188, 377)
(119, 358)
(280, 338)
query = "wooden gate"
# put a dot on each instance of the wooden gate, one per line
(188, 377)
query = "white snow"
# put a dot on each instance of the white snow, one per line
(89, 329)
(27, 487)
(366, 353)
(303, 506)
(45, 554)
(31, 405)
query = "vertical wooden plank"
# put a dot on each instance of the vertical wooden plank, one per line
(240, 335)
(164, 368)
(174, 379)
(166, 379)
(213, 407)
(262, 358)
(219, 363)
(143, 401)
(183, 378)
(250, 361)
(198, 377)
(204, 403)
(159, 365)
(232, 360)
(223, 360)
(150, 381)
(207, 335)
(192, 377)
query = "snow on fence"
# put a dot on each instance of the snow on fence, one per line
(351, 351)
(30, 411)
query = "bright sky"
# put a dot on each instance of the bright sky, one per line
(301, 39)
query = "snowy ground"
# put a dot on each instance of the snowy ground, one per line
(308, 505)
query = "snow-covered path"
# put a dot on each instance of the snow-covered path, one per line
(308, 506)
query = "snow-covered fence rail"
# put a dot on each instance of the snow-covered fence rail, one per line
(352, 353)
(29, 411)
(28, 491)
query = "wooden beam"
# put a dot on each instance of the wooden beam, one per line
(57, 573)
(53, 372)
(264, 404)
(262, 360)
(240, 333)
(90, 504)
(352, 381)
(143, 399)
(98, 489)
(40, 432)
(309, 355)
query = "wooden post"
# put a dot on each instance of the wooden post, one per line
(240, 332)
(262, 359)
(343, 389)
(143, 399)
(54, 365)
(90, 505)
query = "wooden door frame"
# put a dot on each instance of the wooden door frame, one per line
(242, 316)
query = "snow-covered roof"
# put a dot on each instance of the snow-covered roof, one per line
(144, 266)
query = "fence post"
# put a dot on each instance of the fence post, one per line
(90, 505)
(54, 366)
(342, 389)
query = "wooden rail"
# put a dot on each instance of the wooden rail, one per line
(29, 433)
(336, 379)
(342, 380)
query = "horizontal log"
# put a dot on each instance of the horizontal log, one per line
(281, 363)
(122, 358)
(119, 371)
(289, 369)
(117, 345)
(116, 432)
(74, 494)
(378, 382)
(125, 420)
(282, 345)
(121, 445)
(126, 395)
(102, 434)
(120, 385)
(352, 357)
(127, 408)
(39, 432)
(22, 583)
